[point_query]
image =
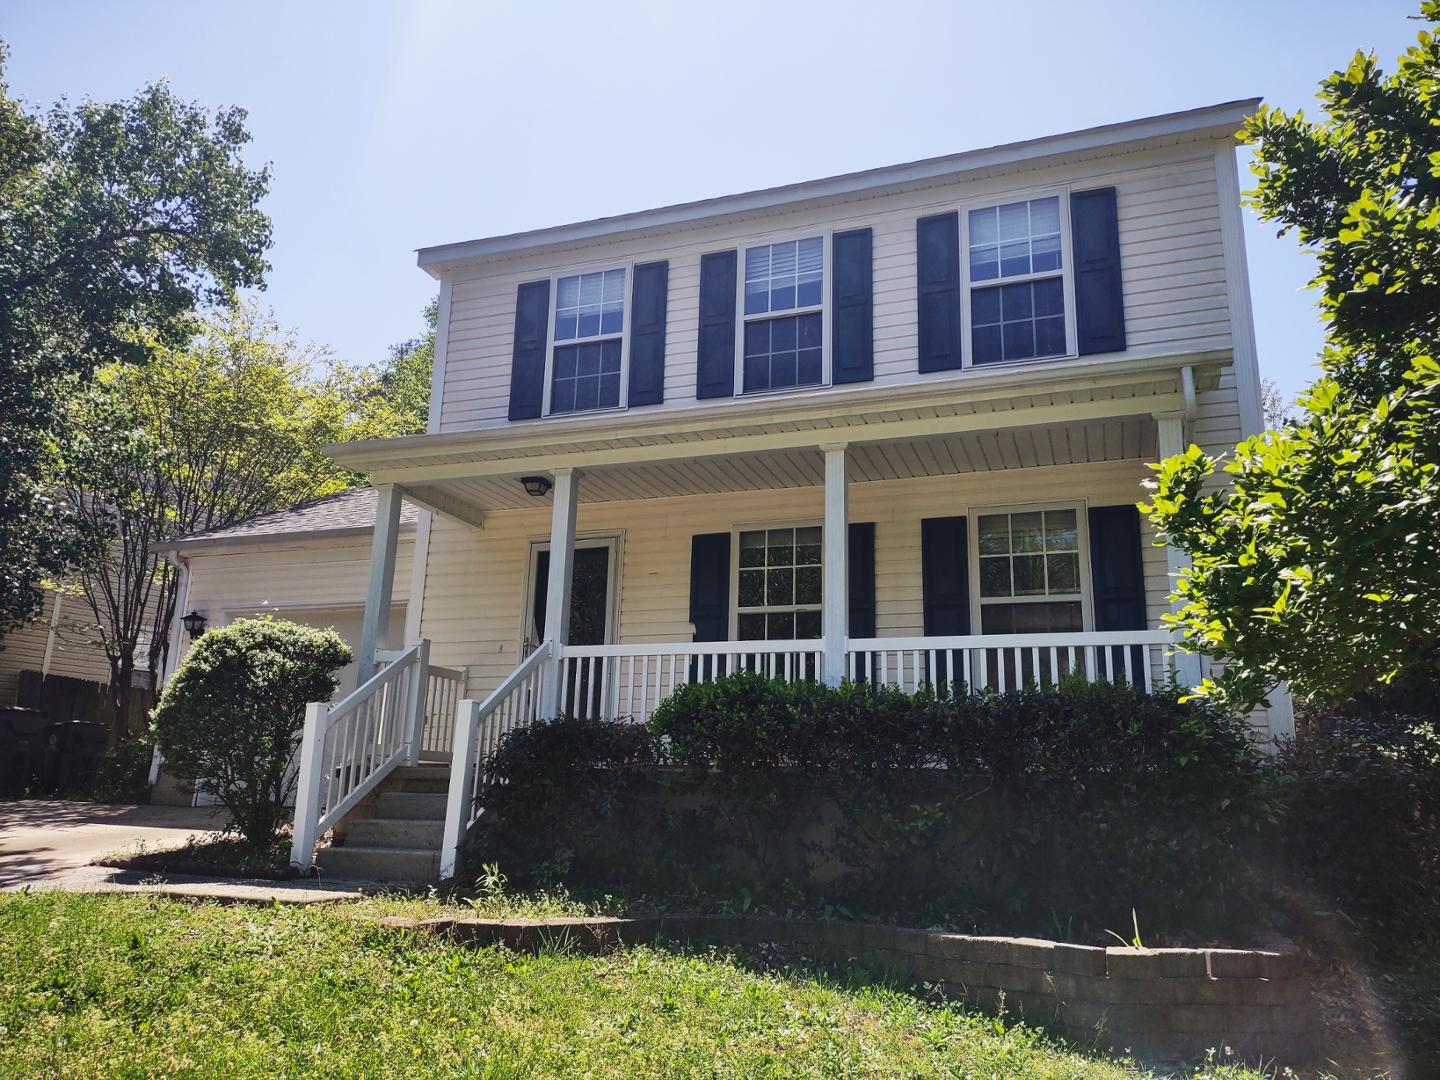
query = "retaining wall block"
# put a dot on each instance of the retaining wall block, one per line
(1128, 963)
(1254, 963)
(1079, 959)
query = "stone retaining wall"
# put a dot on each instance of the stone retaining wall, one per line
(1157, 1004)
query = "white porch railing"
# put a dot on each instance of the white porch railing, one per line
(1004, 662)
(478, 728)
(443, 688)
(350, 746)
(630, 680)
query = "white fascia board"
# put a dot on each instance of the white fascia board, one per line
(1212, 122)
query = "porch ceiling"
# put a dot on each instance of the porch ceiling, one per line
(1011, 448)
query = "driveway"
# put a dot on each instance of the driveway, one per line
(48, 842)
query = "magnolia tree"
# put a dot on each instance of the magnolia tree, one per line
(1318, 565)
(234, 712)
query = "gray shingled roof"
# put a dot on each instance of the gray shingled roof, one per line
(347, 511)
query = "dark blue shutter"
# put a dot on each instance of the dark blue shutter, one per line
(715, 363)
(861, 583)
(1117, 573)
(1099, 300)
(937, 262)
(945, 575)
(710, 586)
(853, 294)
(647, 333)
(1117, 581)
(527, 361)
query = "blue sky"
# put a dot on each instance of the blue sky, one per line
(394, 126)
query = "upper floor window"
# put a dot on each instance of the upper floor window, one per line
(1017, 281)
(784, 315)
(588, 339)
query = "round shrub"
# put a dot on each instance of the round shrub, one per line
(233, 713)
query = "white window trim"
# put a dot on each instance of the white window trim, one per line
(615, 541)
(1082, 532)
(825, 307)
(758, 526)
(628, 265)
(1067, 275)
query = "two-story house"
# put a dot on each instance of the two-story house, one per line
(889, 425)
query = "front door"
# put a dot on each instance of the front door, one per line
(590, 594)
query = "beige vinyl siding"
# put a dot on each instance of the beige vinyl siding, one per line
(476, 580)
(1172, 265)
(314, 581)
(77, 653)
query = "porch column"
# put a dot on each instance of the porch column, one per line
(557, 589)
(836, 575)
(1170, 432)
(376, 626)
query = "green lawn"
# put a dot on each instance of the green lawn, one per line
(140, 986)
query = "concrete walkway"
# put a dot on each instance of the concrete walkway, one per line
(49, 844)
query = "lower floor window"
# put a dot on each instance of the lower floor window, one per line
(586, 377)
(783, 352)
(1030, 572)
(779, 584)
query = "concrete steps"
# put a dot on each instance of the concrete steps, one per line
(394, 835)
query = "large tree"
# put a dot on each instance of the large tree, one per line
(197, 437)
(1320, 565)
(405, 375)
(116, 219)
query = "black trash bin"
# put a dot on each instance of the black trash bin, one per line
(22, 749)
(72, 755)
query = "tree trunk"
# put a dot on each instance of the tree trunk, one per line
(122, 671)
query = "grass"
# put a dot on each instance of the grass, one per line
(211, 854)
(140, 986)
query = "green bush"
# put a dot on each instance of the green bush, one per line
(1362, 808)
(123, 773)
(1076, 802)
(233, 713)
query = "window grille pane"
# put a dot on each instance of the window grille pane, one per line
(752, 549)
(1022, 321)
(995, 534)
(1015, 239)
(1027, 532)
(750, 627)
(1063, 573)
(1060, 531)
(995, 576)
(1029, 571)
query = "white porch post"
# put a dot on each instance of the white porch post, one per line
(836, 576)
(382, 579)
(557, 591)
(1170, 439)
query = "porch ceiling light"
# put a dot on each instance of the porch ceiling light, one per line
(538, 486)
(194, 624)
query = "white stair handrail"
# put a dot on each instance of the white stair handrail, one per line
(349, 747)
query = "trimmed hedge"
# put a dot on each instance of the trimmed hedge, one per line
(1070, 805)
